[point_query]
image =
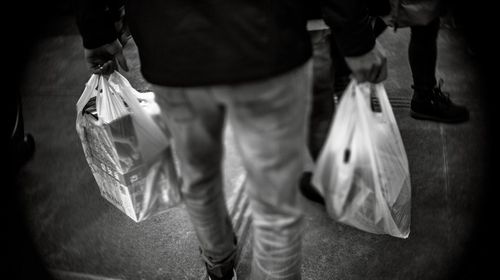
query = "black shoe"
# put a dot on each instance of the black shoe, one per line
(437, 106)
(231, 277)
(308, 190)
(221, 273)
(224, 270)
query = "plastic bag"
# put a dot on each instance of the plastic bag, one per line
(362, 171)
(129, 154)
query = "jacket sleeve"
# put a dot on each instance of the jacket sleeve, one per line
(349, 21)
(95, 23)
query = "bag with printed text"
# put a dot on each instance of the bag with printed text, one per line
(129, 155)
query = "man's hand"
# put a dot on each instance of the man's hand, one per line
(370, 67)
(104, 59)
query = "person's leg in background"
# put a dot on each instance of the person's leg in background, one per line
(422, 55)
(269, 120)
(331, 76)
(341, 72)
(21, 144)
(428, 101)
(196, 122)
(322, 105)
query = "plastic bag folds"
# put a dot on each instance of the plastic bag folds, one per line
(129, 155)
(363, 170)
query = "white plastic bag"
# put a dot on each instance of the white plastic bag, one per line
(129, 154)
(363, 170)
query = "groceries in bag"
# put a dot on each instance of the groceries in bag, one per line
(130, 156)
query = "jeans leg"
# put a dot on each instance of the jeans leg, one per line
(269, 120)
(196, 122)
(422, 55)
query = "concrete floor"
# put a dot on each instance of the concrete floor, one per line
(79, 235)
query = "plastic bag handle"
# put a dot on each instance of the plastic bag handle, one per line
(385, 104)
(109, 103)
(88, 92)
(103, 89)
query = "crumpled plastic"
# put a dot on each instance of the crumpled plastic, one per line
(363, 171)
(129, 155)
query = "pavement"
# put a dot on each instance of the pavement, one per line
(77, 234)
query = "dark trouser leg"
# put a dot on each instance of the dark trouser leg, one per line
(21, 145)
(428, 101)
(341, 71)
(322, 102)
(422, 54)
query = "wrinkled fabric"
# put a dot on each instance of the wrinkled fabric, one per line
(269, 119)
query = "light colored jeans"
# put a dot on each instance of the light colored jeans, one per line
(269, 120)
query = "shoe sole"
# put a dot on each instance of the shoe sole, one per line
(420, 116)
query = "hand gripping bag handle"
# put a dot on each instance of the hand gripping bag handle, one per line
(152, 139)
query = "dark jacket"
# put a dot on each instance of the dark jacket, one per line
(204, 42)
